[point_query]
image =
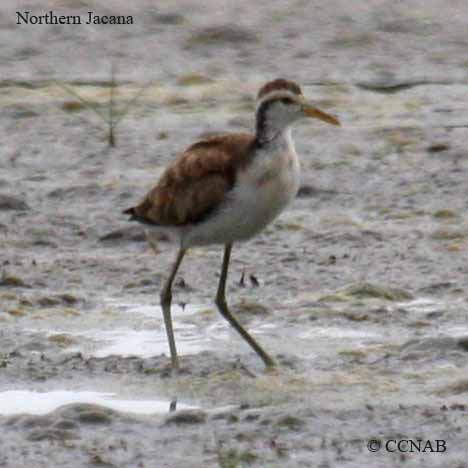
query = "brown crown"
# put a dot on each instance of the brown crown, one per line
(278, 85)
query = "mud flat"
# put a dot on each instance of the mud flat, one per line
(359, 289)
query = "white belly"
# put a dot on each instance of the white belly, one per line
(261, 192)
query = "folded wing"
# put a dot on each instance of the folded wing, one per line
(196, 183)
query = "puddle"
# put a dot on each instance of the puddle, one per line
(139, 343)
(147, 343)
(123, 336)
(24, 401)
(154, 310)
(125, 339)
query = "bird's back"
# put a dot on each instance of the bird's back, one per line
(196, 182)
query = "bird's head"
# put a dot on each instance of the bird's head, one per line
(280, 103)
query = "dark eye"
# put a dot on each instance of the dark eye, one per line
(287, 100)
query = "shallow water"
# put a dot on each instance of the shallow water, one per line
(28, 402)
(145, 343)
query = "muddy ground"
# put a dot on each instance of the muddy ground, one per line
(359, 289)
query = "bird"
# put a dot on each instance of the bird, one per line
(226, 189)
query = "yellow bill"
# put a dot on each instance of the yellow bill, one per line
(312, 111)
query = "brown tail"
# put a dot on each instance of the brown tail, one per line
(131, 212)
(134, 216)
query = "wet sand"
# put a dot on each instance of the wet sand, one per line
(361, 292)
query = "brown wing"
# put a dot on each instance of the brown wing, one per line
(196, 182)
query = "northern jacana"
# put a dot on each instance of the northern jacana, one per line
(227, 188)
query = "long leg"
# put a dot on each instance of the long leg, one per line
(166, 298)
(224, 310)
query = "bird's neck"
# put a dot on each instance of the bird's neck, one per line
(267, 133)
(271, 153)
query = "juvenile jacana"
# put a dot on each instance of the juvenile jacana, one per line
(227, 188)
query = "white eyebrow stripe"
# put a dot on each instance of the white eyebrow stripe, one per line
(277, 94)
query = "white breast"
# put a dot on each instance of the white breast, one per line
(262, 191)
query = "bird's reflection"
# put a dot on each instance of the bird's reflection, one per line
(173, 404)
